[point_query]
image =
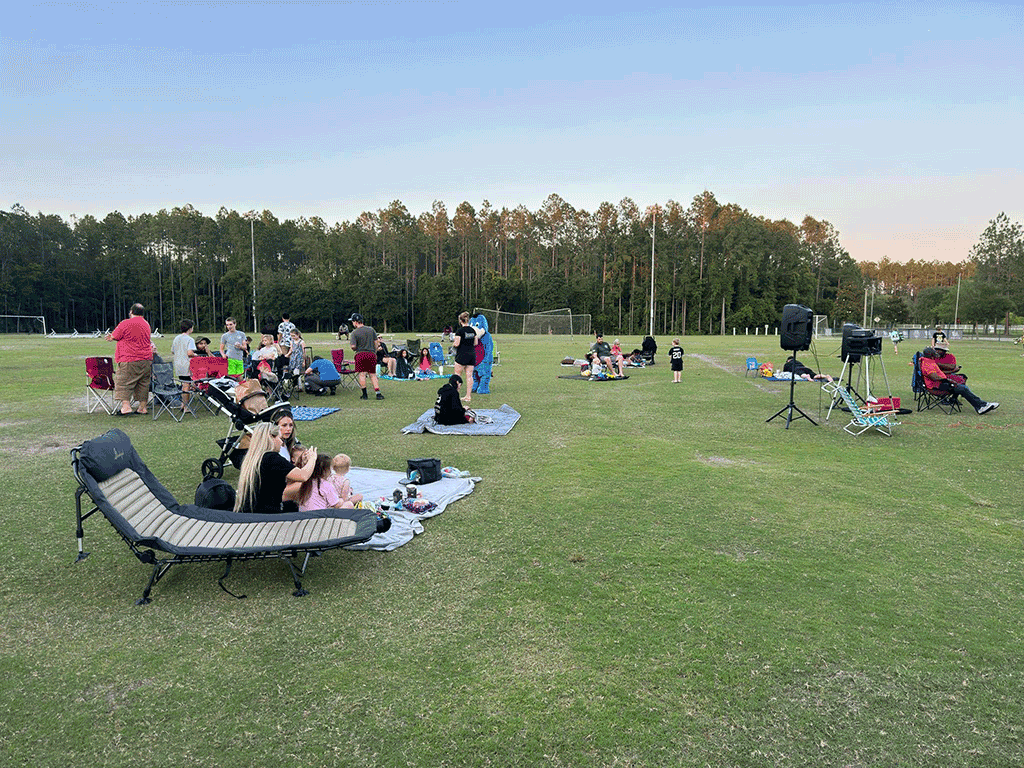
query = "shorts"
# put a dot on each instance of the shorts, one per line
(677, 365)
(235, 367)
(366, 362)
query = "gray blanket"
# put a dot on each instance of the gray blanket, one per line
(502, 421)
(379, 484)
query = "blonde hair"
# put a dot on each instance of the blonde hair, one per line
(261, 442)
(341, 461)
(464, 317)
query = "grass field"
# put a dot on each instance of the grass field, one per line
(648, 575)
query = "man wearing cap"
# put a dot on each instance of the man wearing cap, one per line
(448, 408)
(937, 381)
(947, 363)
(363, 341)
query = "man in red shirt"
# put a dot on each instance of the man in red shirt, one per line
(134, 358)
(937, 381)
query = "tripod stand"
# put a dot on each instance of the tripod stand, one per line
(788, 409)
(864, 368)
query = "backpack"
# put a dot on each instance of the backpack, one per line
(215, 493)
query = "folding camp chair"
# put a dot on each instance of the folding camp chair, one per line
(752, 366)
(927, 399)
(203, 370)
(437, 353)
(862, 419)
(166, 392)
(99, 389)
(346, 371)
(413, 345)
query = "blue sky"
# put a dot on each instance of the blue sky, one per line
(901, 124)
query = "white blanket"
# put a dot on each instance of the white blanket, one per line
(375, 484)
(501, 422)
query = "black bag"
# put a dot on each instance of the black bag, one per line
(215, 493)
(426, 470)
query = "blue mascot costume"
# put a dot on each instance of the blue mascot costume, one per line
(482, 371)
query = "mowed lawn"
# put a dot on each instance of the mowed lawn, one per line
(647, 575)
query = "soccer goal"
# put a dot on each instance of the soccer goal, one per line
(20, 327)
(556, 322)
(821, 327)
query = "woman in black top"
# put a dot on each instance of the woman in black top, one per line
(465, 350)
(265, 472)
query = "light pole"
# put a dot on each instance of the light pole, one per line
(251, 216)
(654, 225)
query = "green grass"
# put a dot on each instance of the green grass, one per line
(648, 575)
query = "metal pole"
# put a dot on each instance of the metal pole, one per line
(252, 238)
(654, 225)
(956, 310)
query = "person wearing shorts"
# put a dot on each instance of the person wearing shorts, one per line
(363, 341)
(233, 346)
(675, 356)
(134, 358)
(464, 340)
(183, 348)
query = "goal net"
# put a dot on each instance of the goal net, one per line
(821, 327)
(556, 322)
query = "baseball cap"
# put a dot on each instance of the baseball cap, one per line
(356, 318)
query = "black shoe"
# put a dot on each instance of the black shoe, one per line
(380, 396)
(363, 396)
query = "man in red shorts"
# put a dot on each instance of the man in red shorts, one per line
(363, 341)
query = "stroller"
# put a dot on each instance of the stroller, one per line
(243, 415)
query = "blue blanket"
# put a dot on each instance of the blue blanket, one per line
(306, 413)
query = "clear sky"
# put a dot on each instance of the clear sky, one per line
(900, 123)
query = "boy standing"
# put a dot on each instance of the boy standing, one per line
(233, 346)
(675, 356)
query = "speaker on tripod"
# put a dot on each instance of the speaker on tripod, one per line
(795, 335)
(797, 325)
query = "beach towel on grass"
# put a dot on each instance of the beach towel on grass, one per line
(502, 421)
(374, 484)
(308, 413)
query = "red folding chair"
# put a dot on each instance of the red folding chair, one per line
(99, 390)
(202, 370)
(346, 371)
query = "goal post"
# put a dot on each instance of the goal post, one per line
(821, 326)
(38, 318)
(555, 322)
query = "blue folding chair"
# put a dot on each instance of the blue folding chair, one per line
(751, 366)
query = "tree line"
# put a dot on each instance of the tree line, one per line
(716, 266)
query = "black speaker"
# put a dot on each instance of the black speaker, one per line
(859, 341)
(797, 326)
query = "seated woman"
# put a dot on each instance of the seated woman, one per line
(265, 473)
(801, 371)
(386, 360)
(448, 408)
(286, 424)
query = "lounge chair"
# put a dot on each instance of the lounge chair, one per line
(162, 533)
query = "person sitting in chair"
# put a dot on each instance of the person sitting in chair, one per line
(603, 351)
(937, 381)
(448, 408)
(947, 363)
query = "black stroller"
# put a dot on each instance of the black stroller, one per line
(241, 421)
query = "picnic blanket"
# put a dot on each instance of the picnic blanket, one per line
(502, 421)
(581, 377)
(415, 377)
(308, 413)
(375, 484)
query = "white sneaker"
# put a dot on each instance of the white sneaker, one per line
(988, 407)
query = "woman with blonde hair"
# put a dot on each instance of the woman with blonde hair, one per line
(265, 472)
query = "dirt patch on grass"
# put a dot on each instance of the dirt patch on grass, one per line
(721, 461)
(44, 446)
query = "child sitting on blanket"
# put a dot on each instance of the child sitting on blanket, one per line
(340, 465)
(318, 492)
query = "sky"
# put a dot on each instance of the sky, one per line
(901, 124)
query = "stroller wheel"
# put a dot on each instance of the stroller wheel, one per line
(212, 468)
